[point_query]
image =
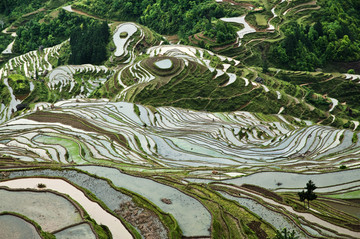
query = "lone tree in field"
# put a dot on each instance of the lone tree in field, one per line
(309, 195)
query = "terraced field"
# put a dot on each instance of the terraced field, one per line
(177, 141)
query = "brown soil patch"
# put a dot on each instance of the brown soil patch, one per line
(34, 12)
(219, 48)
(86, 14)
(145, 220)
(354, 227)
(201, 37)
(255, 226)
(76, 122)
(173, 38)
(246, 5)
(263, 191)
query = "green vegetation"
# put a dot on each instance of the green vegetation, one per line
(5, 40)
(348, 195)
(327, 84)
(88, 43)
(222, 32)
(334, 38)
(41, 185)
(15, 8)
(170, 17)
(303, 40)
(355, 138)
(309, 195)
(285, 234)
(19, 84)
(52, 31)
(5, 97)
(123, 34)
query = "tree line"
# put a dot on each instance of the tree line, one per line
(164, 16)
(89, 37)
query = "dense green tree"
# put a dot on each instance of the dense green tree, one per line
(88, 43)
(309, 194)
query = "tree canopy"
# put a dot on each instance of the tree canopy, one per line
(165, 17)
(335, 36)
(88, 43)
(309, 194)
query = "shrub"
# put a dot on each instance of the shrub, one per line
(123, 34)
(351, 71)
(41, 185)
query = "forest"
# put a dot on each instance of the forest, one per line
(88, 43)
(165, 17)
(85, 47)
(334, 37)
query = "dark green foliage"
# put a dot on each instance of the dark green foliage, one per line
(41, 185)
(35, 34)
(302, 196)
(354, 138)
(265, 67)
(15, 8)
(4, 94)
(165, 17)
(88, 43)
(334, 37)
(19, 84)
(5, 40)
(309, 195)
(222, 31)
(102, 231)
(343, 167)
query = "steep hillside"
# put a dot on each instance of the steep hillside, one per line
(221, 128)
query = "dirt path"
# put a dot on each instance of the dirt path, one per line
(304, 9)
(300, 5)
(88, 15)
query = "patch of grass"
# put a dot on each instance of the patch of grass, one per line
(355, 138)
(19, 84)
(123, 34)
(260, 19)
(136, 110)
(347, 195)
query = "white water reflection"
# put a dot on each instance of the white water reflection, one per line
(94, 210)
(8, 49)
(240, 20)
(164, 64)
(130, 29)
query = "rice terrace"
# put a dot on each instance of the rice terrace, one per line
(179, 119)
